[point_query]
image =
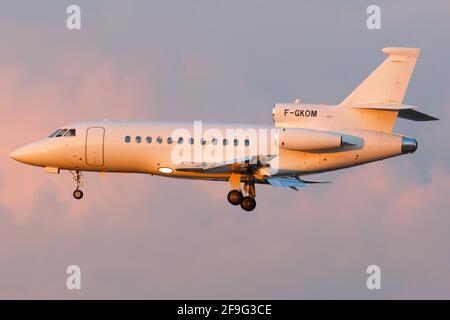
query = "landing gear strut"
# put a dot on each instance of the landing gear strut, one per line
(77, 194)
(249, 203)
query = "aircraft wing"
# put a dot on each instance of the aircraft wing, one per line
(233, 165)
(253, 163)
(293, 183)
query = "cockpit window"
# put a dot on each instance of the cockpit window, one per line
(61, 133)
(54, 133)
(70, 133)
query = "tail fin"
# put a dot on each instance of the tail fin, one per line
(388, 83)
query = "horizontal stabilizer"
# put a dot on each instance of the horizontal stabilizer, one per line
(404, 111)
(415, 115)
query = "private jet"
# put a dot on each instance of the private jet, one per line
(304, 139)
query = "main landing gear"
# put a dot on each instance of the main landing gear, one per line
(236, 197)
(78, 194)
(248, 203)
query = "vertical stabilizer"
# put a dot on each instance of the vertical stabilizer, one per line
(388, 83)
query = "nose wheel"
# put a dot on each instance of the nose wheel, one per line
(79, 179)
(78, 194)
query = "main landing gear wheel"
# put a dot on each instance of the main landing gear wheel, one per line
(248, 203)
(78, 194)
(235, 197)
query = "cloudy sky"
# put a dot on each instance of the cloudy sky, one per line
(136, 236)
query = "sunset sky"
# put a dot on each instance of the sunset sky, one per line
(138, 236)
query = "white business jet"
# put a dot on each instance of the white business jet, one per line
(305, 139)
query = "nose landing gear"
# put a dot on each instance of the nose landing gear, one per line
(78, 194)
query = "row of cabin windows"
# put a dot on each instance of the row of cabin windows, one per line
(180, 140)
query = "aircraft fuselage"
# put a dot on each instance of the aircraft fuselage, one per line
(102, 146)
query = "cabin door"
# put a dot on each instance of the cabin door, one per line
(95, 138)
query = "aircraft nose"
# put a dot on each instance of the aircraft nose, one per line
(15, 155)
(23, 154)
(409, 145)
(29, 154)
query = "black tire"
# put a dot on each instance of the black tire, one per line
(235, 197)
(78, 194)
(248, 203)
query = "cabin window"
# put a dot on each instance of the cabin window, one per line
(225, 142)
(180, 140)
(127, 139)
(214, 141)
(203, 141)
(159, 140)
(138, 139)
(191, 140)
(70, 133)
(169, 140)
(247, 142)
(236, 142)
(148, 139)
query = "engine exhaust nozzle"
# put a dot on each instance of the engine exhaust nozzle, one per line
(409, 145)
